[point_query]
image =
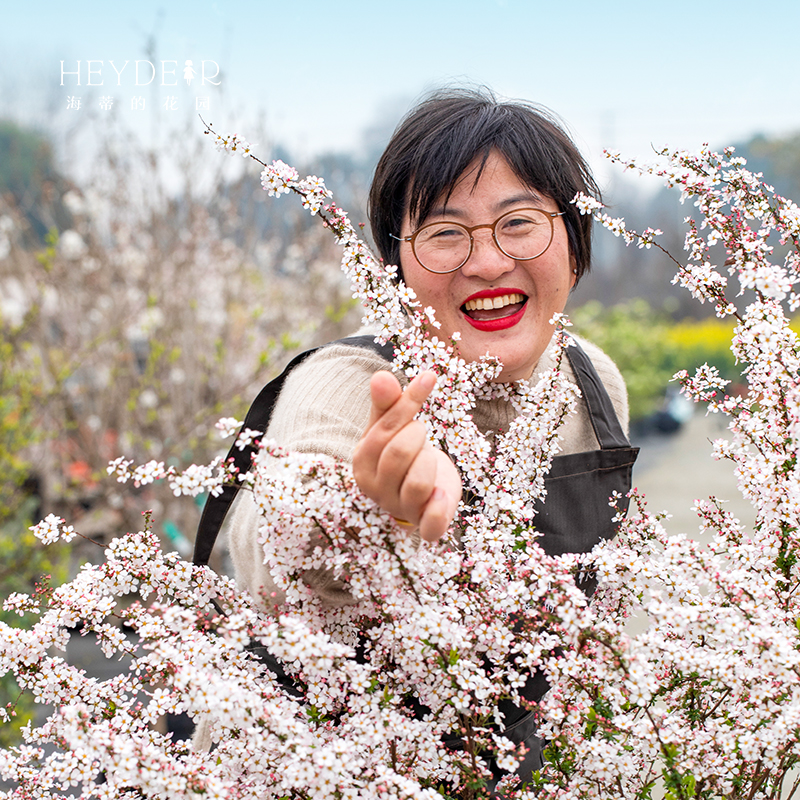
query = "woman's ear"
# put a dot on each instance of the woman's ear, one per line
(573, 278)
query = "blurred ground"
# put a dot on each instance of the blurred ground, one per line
(675, 470)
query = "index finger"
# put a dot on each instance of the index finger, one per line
(393, 411)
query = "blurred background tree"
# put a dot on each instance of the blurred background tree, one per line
(635, 336)
(30, 181)
(649, 347)
(23, 561)
(134, 312)
(133, 316)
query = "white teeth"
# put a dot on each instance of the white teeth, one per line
(483, 303)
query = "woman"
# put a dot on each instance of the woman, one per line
(472, 200)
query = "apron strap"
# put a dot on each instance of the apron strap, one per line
(606, 426)
(257, 419)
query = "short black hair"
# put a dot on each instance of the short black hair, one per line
(442, 136)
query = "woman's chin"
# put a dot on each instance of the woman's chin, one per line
(515, 360)
(518, 348)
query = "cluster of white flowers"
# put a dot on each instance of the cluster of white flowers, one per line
(315, 194)
(20, 603)
(706, 700)
(233, 144)
(278, 179)
(227, 426)
(194, 480)
(52, 528)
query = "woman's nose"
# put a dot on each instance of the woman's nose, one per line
(487, 260)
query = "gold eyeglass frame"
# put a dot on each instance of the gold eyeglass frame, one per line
(550, 215)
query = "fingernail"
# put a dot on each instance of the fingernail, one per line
(437, 495)
(427, 380)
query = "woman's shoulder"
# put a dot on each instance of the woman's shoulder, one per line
(601, 361)
(354, 352)
(324, 402)
(341, 366)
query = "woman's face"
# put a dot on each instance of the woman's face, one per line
(519, 331)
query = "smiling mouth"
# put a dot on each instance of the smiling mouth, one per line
(490, 308)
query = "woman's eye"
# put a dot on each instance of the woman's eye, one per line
(445, 232)
(443, 236)
(518, 225)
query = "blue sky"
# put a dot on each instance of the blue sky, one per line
(624, 75)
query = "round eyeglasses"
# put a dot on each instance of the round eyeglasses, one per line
(522, 234)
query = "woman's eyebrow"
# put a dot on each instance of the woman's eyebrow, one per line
(446, 211)
(501, 205)
(526, 197)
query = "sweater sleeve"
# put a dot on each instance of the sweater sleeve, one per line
(323, 409)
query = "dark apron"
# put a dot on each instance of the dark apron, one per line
(574, 518)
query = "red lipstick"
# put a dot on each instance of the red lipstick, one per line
(500, 323)
(496, 324)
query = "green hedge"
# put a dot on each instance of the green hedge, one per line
(649, 348)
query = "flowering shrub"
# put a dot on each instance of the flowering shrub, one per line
(649, 347)
(704, 703)
(149, 312)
